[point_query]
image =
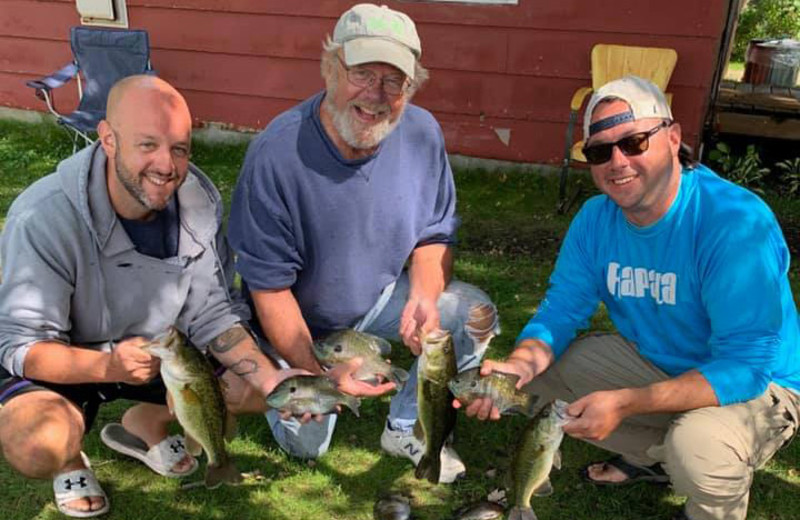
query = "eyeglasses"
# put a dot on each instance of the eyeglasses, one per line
(364, 78)
(632, 145)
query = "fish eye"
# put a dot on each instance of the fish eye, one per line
(473, 384)
(337, 348)
(292, 389)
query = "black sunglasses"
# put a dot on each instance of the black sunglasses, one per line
(635, 144)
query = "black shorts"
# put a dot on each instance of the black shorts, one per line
(86, 396)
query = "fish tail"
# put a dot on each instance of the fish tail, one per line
(531, 405)
(429, 468)
(353, 403)
(225, 473)
(521, 513)
(399, 377)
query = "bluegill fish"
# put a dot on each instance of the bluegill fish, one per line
(536, 453)
(197, 402)
(309, 394)
(436, 416)
(501, 388)
(344, 345)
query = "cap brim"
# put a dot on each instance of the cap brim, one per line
(372, 50)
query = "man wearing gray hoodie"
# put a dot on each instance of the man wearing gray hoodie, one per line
(122, 242)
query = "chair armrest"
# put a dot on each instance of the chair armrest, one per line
(578, 97)
(54, 80)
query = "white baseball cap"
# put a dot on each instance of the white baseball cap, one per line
(369, 33)
(643, 97)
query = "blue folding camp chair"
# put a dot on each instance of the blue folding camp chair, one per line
(101, 58)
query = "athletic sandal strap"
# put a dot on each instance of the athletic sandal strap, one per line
(74, 485)
(161, 458)
(654, 474)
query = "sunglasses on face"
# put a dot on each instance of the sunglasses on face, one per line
(632, 145)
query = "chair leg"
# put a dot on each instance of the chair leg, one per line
(562, 183)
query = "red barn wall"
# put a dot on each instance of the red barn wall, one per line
(493, 68)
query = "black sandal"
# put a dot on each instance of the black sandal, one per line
(654, 474)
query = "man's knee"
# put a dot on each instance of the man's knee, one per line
(703, 459)
(464, 306)
(39, 433)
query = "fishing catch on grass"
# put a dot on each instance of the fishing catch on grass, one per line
(436, 416)
(198, 404)
(536, 453)
(316, 395)
(499, 387)
(344, 345)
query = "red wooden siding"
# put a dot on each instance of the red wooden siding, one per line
(507, 68)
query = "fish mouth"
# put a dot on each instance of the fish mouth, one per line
(163, 343)
(560, 411)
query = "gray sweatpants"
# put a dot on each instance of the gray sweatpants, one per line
(710, 453)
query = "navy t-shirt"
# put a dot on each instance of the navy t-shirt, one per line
(157, 237)
(336, 231)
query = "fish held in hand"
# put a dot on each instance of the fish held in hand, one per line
(436, 416)
(499, 387)
(344, 345)
(316, 395)
(536, 453)
(198, 404)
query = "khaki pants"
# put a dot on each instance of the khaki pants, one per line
(710, 453)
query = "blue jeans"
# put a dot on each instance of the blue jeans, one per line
(313, 439)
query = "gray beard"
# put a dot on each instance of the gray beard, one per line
(345, 124)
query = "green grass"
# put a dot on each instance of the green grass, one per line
(508, 243)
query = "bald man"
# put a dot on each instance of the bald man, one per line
(123, 241)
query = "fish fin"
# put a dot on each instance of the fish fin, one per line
(193, 447)
(544, 490)
(230, 426)
(399, 377)
(170, 403)
(226, 473)
(521, 513)
(353, 403)
(189, 395)
(557, 459)
(418, 432)
(429, 468)
(530, 405)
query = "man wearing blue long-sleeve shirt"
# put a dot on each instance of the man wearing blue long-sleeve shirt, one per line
(700, 385)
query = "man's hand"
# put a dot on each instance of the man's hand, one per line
(129, 363)
(420, 316)
(342, 375)
(484, 408)
(598, 414)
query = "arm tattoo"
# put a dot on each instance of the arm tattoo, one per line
(228, 339)
(244, 367)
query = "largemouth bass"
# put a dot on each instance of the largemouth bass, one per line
(436, 416)
(197, 403)
(537, 452)
(344, 345)
(499, 387)
(309, 394)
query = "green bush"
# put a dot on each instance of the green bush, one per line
(771, 19)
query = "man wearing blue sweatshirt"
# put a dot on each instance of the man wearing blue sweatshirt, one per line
(335, 197)
(699, 386)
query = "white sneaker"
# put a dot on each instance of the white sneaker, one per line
(405, 444)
